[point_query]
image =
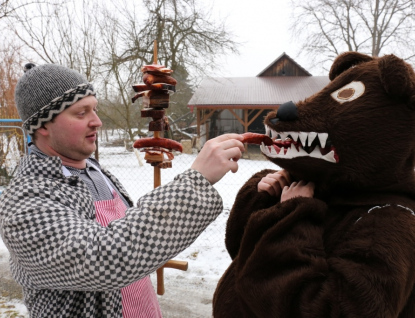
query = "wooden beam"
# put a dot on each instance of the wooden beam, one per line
(246, 119)
(204, 114)
(207, 131)
(270, 106)
(198, 121)
(246, 130)
(206, 117)
(236, 116)
(256, 116)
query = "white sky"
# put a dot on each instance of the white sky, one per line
(263, 27)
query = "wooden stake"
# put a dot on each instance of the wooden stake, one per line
(182, 265)
(157, 170)
(155, 52)
(157, 173)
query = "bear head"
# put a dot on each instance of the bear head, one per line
(357, 133)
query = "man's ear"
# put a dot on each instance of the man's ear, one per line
(345, 61)
(43, 131)
(398, 78)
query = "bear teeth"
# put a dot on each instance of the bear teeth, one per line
(305, 139)
(323, 138)
(311, 136)
(292, 152)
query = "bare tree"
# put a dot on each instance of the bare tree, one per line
(190, 42)
(10, 70)
(7, 7)
(330, 27)
(11, 139)
(111, 45)
(187, 34)
(59, 32)
(116, 107)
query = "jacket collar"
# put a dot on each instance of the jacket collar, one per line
(51, 168)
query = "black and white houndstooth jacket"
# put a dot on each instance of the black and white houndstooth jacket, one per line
(68, 264)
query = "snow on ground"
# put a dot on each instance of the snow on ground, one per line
(188, 294)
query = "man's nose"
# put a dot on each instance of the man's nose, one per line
(96, 121)
(286, 112)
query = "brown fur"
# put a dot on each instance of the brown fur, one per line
(350, 250)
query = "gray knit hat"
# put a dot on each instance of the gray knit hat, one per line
(45, 91)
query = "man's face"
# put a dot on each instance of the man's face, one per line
(72, 134)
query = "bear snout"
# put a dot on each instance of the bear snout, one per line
(286, 112)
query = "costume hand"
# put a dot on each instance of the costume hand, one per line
(218, 156)
(300, 189)
(273, 183)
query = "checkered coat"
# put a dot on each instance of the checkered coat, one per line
(68, 264)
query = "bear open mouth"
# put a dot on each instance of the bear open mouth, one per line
(289, 144)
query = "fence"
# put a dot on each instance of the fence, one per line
(13, 145)
(137, 176)
(129, 166)
(188, 294)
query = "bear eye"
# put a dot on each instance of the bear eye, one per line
(349, 92)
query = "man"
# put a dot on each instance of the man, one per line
(77, 245)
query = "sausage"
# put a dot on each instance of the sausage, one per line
(157, 151)
(157, 87)
(161, 124)
(257, 139)
(137, 96)
(156, 68)
(159, 73)
(150, 79)
(153, 113)
(158, 142)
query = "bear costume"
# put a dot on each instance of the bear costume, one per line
(349, 251)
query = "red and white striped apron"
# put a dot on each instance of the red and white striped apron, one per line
(139, 299)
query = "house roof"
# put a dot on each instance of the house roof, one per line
(284, 55)
(240, 92)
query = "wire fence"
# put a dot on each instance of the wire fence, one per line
(129, 166)
(13, 145)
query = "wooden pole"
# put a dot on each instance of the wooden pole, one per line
(155, 52)
(181, 265)
(157, 182)
(157, 170)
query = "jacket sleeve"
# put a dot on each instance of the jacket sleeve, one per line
(53, 247)
(285, 269)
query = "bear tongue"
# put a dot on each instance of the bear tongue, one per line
(285, 143)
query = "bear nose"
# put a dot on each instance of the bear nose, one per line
(286, 112)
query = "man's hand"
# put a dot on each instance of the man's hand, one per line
(300, 189)
(218, 156)
(273, 183)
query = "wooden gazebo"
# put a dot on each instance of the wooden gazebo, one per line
(248, 99)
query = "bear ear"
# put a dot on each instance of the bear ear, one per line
(398, 78)
(345, 61)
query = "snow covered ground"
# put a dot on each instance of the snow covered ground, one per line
(188, 294)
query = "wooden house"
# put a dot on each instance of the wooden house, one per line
(239, 104)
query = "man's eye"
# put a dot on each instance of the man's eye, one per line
(349, 92)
